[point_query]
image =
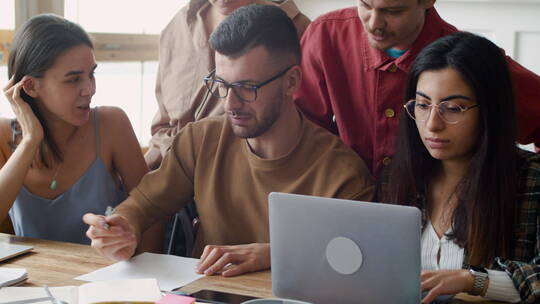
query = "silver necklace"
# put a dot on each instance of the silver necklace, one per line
(54, 182)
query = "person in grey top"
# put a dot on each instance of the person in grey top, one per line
(55, 164)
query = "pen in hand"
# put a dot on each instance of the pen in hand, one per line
(108, 212)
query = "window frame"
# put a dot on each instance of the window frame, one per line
(117, 47)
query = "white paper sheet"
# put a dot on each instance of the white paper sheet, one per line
(8, 250)
(125, 291)
(11, 276)
(170, 271)
(66, 293)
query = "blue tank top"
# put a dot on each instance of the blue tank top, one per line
(60, 219)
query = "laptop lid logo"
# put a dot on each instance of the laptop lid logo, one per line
(343, 255)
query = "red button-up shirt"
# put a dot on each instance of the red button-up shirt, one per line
(363, 88)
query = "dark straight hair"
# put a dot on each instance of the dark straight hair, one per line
(257, 25)
(484, 218)
(36, 46)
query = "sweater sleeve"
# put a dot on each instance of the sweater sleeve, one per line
(501, 287)
(169, 188)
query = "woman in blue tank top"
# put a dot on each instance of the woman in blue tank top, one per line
(60, 158)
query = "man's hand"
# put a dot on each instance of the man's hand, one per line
(234, 260)
(112, 236)
(444, 282)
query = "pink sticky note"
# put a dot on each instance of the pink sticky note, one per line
(176, 299)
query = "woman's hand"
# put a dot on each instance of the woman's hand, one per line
(32, 131)
(444, 282)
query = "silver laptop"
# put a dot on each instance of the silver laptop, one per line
(339, 251)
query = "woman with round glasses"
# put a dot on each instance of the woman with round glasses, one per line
(456, 159)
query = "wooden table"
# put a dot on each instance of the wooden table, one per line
(57, 263)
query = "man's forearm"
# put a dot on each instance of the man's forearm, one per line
(132, 211)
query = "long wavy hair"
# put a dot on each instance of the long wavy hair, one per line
(486, 211)
(36, 46)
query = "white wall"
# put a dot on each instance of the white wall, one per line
(314, 8)
(514, 25)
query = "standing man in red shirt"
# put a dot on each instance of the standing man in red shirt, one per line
(355, 62)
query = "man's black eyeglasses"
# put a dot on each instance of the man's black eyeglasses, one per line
(244, 91)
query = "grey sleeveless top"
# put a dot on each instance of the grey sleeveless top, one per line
(60, 219)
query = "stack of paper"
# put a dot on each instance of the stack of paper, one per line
(124, 291)
(8, 250)
(66, 294)
(12, 276)
(170, 271)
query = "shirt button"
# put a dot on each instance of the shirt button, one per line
(386, 161)
(389, 113)
(392, 68)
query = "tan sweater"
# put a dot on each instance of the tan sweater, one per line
(230, 184)
(185, 58)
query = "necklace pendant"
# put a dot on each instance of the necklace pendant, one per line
(53, 185)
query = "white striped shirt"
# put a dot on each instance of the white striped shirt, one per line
(500, 288)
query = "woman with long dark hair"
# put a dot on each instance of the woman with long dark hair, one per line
(59, 157)
(457, 160)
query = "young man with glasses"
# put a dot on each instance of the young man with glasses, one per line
(230, 164)
(185, 57)
(355, 66)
